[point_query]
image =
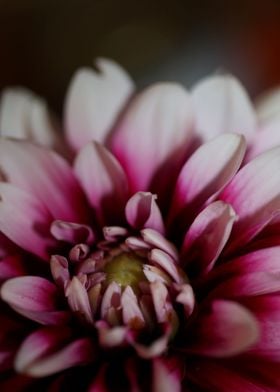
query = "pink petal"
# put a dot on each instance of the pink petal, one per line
(163, 260)
(142, 212)
(78, 299)
(132, 315)
(186, 297)
(103, 181)
(24, 115)
(71, 232)
(224, 330)
(157, 240)
(35, 298)
(207, 236)
(94, 101)
(24, 220)
(222, 105)
(255, 205)
(41, 354)
(110, 336)
(60, 270)
(110, 298)
(267, 138)
(155, 129)
(202, 175)
(267, 106)
(165, 377)
(44, 174)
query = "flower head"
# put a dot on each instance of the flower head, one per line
(146, 244)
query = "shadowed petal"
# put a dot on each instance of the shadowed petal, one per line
(166, 378)
(35, 298)
(103, 181)
(255, 205)
(41, 354)
(44, 174)
(223, 330)
(155, 128)
(222, 105)
(71, 232)
(142, 212)
(78, 299)
(24, 220)
(268, 105)
(93, 102)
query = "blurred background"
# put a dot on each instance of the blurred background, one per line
(43, 42)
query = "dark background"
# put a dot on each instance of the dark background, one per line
(43, 42)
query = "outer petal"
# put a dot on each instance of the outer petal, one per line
(207, 236)
(222, 105)
(268, 105)
(156, 128)
(267, 138)
(103, 181)
(35, 298)
(142, 212)
(254, 193)
(224, 330)
(41, 354)
(23, 115)
(206, 172)
(166, 377)
(24, 220)
(94, 101)
(45, 175)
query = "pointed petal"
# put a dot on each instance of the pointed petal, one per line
(155, 129)
(224, 330)
(23, 115)
(41, 354)
(255, 205)
(24, 220)
(132, 315)
(202, 175)
(94, 101)
(45, 175)
(142, 212)
(207, 237)
(35, 298)
(222, 105)
(103, 180)
(157, 240)
(78, 299)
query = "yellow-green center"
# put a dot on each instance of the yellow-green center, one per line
(126, 269)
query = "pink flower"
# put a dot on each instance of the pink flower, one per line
(145, 254)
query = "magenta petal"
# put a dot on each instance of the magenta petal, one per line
(41, 354)
(142, 212)
(24, 220)
(103, 181)
(11, 266)
(202, 175)
(44, 174)
(94, 101)
(166, 378)
(255, 205)
(207, 236)
(221, 105)
(156, 128)
(35, 298)
(223, 330)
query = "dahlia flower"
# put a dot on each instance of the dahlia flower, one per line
(141, 253)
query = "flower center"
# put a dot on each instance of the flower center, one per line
(126, 269)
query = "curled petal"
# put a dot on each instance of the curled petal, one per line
(155, 129)
(71, 232)
(221, 105)
(93, 102)
(207, 236)
(103, 181)
(186, 297)
(78, 299)
(60, 270)
(142, 212)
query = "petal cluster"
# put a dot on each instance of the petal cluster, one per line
(145, 243)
